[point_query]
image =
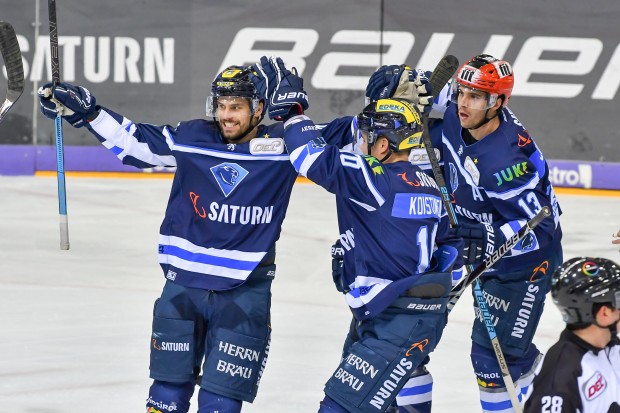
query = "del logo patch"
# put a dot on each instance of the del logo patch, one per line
(228, 176)
(595, 386)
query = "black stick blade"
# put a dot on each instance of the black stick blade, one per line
(12, 56)
(444, 70)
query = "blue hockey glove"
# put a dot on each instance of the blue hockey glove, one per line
(74, 103)
(287, 98)
(401, 82)
(480, 240)
(264, 77)
(443, 259)
(338, 267)
(383, 83)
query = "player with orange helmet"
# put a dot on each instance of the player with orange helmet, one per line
(499, 179)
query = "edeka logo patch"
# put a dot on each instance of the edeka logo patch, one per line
(228, 176)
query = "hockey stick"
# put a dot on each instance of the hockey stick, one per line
(12, 56)
(60, 158)
(488, 262)
(440, 76)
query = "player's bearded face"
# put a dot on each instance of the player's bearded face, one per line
(234, 117)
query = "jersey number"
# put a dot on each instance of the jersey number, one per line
(530, 205)
(425, 246)
(551, 404)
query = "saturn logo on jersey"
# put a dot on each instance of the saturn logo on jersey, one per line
(419, 345)
(524, 140)
(228, 176)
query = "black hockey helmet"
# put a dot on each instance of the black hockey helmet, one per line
(395, 119)
(581, 282)
(234, 81)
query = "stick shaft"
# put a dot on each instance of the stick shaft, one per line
(60, 158)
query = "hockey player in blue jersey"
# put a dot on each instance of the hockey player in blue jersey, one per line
(217, 241)
(393, 223)
(499, 179)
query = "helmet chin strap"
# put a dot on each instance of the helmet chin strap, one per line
(613, 327)
(385, 158)
(485, 120)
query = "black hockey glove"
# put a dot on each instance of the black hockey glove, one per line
(75, 103)
(338, 267)
(480, 241)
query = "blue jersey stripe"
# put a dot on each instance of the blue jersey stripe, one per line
(207, 259)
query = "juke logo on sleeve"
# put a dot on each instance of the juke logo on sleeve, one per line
(510, 173)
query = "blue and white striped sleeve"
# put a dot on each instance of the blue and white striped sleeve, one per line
(343, 173)
(137, 144)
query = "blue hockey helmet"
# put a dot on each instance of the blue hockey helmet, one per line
(581, 282)
(234, 81)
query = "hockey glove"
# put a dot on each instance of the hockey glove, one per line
(480, 240)
(401, 82)
(74, 103)
(383, 83)
(287, 97)
(338, 267)
(422, 93)
(264, 78)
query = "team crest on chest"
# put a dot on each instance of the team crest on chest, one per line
(454, 177)
(228, 176)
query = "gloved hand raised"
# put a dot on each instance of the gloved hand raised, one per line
(479, 239)
(283, 89)
(422, 95)
(400, 81)
(383, 83)
(74, 103)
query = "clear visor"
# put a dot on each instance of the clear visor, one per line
(213, 102)
(471, 98)
(358, 138)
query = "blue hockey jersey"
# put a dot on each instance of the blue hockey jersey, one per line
(502, 180)
(227, 201)
(390, 215)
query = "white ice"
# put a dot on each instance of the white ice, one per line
(75, 325)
